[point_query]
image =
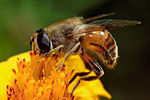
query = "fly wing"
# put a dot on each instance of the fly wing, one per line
(114, 23)
(90, 19)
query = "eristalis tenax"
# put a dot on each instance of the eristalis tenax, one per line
(89, 38)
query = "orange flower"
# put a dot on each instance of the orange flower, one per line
(28, 77)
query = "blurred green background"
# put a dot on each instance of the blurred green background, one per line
(19, 19)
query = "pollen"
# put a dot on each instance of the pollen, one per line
(39, 80)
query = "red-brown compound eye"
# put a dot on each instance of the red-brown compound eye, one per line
(43, 42)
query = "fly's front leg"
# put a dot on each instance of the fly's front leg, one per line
(53, 50)
(68, 54)
(90, 78)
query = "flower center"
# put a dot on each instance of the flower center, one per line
(39, 80)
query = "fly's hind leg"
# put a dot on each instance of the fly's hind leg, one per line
(90, 78)
(86, 62)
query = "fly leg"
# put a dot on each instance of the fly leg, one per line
(68, 54)
(53, 50)
(90, 78)
(86, 62)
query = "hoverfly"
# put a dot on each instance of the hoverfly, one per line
(89, 38)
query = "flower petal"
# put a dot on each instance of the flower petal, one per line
(6, 73)
(86, 89)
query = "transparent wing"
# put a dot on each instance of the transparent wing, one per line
(87, 20)
(115, 23)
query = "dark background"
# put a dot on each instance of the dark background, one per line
(19, 19)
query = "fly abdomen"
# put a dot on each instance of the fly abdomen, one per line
(113, 52)
(109, 42)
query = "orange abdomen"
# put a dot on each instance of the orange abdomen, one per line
(100, 45)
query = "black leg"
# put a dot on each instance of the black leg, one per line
(90, 78)
(86, 62)
(78, 74)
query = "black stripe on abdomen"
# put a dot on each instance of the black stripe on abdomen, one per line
(108, 37)
(110, 43)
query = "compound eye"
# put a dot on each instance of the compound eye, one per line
(43, 42)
